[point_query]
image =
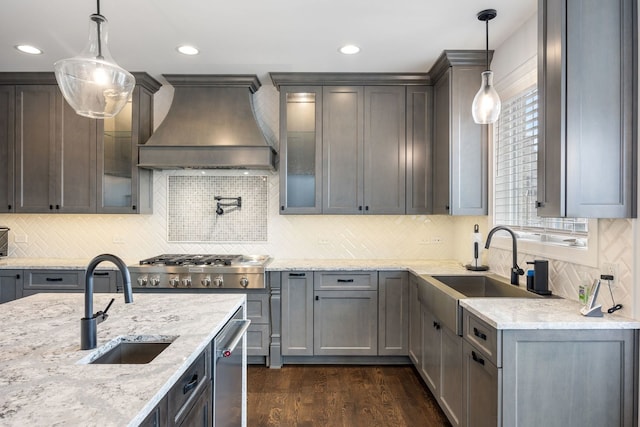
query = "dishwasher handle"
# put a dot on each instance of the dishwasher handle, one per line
(226, 349)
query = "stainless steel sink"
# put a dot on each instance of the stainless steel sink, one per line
(442, 294)
(484, 286)
(129, 350)
(132, 353)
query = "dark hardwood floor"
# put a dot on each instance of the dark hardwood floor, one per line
(338, 395)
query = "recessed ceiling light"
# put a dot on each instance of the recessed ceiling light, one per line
(349, 49)
(188, 50)
(26, 48)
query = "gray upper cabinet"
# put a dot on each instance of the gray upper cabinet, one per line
(364, 149)
(58, 161)
(55, 153)
(344, 143)
(123, 187)
(301, 150)
(343, 149)
(7, 140)
(419, 112)
(460, 146)
(587, 80)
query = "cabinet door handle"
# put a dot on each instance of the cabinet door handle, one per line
(366, 208)
(57, 206)
(54, 279)
(436, 325)
(297, 274)
(17, 276)
(345, 280)
(477, 359)
(479, 334)
(193, 382)
(317, 298)
(281, 208)
(50, 207)
(101, 273)
(359, 208)
(133, 207)
(9, 207)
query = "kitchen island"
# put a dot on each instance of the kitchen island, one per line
(45, 379)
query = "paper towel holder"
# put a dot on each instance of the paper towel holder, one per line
(476, 252)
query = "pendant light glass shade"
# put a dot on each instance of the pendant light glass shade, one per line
(486, 104)
(92, 83)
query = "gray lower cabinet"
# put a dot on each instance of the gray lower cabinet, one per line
(439, 356)
(587, 152)
(297, 313)
(481, 398)
(158, 417)
(258, 332)
(415, 328)
(549, 376)
(393, 313)
(60, 280)
(460, 146)
(345, 313)
(10, 285)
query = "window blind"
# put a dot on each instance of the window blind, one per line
(515, 181)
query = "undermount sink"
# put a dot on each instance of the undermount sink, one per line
(134, 350)
(484, 286)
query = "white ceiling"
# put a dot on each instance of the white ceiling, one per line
(257, 36)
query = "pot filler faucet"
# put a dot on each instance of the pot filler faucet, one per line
(515, 269)
(89, 323)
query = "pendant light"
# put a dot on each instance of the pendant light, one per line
(486, 104)
(92, 83)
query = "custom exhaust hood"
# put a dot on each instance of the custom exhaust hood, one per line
(210, 124)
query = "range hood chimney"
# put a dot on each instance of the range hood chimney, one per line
(211, 124)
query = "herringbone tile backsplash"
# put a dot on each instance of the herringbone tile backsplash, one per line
(134, 237)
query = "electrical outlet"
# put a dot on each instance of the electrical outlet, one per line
(323, 242)
(425, 242)
(610, 269)
(118, 240)
(437, 240)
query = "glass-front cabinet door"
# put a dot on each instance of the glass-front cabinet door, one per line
(300, 150)
(116, 160)
(123, 187)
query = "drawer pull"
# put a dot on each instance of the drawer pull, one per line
(54, 279)
(191, 384)
(477, 359)
(297, 274)
(101, 273)
(345, 280)
(479, 334)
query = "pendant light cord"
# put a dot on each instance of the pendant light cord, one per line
(487, 44)
(99, 28)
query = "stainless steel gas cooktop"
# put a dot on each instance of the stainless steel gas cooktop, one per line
(184, 271)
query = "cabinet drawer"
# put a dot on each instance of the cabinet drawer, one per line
(483, 337)
(188, 387)
(54, 280)
(345, 281)
(258, 308)
(258, 340)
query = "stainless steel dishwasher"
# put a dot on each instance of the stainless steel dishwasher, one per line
(229, 368)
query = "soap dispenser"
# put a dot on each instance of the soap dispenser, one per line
(540, 278)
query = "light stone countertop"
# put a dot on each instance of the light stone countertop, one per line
(42, 383)
(414, 265)
(543, 313)
(11, 263)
